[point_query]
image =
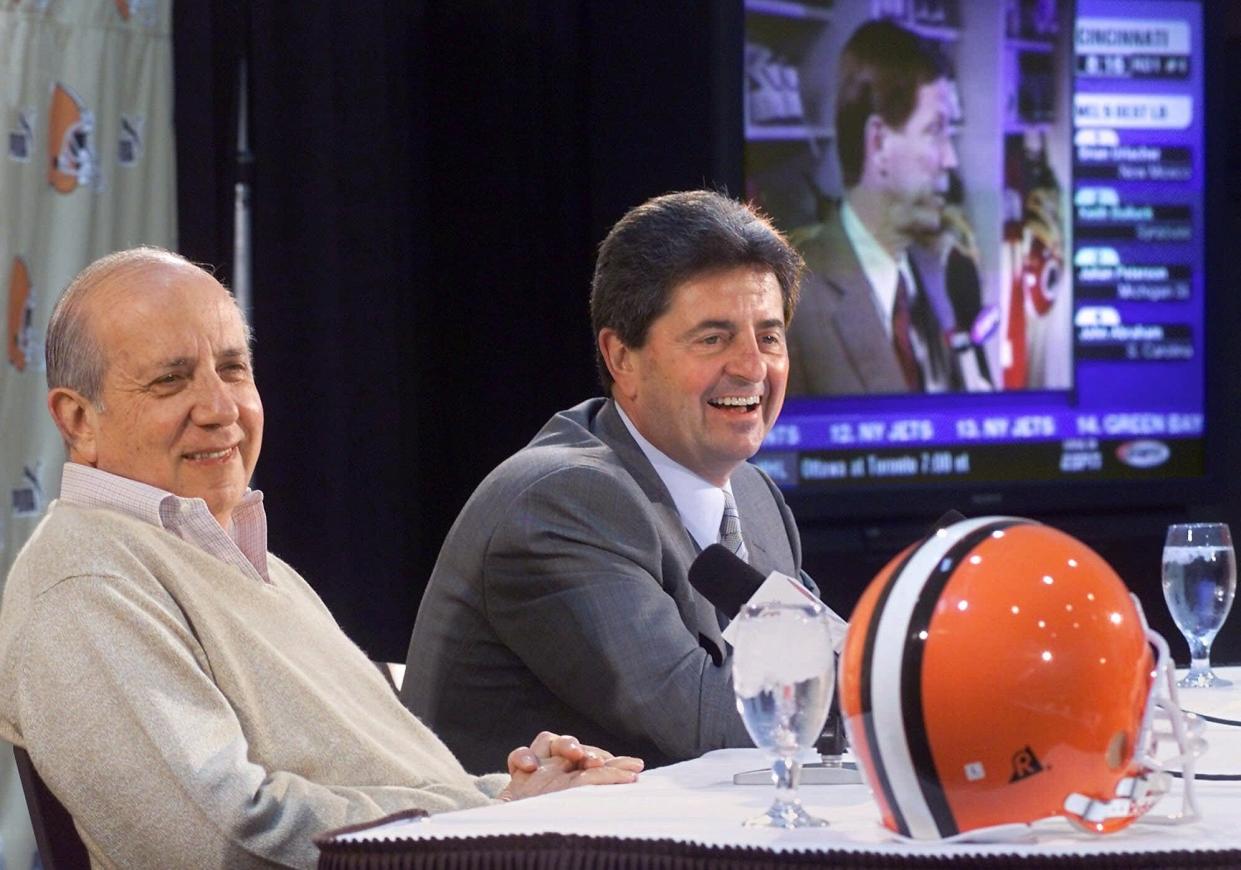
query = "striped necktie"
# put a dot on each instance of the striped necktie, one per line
(730, 529)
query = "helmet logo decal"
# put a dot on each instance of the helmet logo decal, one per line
(27, 497)
(1025, 764)
(21, 139)
(129, 147)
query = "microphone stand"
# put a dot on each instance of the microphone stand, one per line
(832, 769)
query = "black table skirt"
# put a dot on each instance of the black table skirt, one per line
(575, 852)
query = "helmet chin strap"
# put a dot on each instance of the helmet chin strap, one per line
(1163, 720)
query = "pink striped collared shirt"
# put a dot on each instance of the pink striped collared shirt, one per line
(244, 545)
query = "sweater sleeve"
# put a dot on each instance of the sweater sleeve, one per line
(124, 722)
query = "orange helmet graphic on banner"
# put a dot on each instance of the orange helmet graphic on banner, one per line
(997, 673)
(140, 11)
(21, 315)
(71, 141)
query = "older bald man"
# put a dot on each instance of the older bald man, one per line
(184, 692)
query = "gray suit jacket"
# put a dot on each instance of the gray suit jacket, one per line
(837, 343)
(560, 601)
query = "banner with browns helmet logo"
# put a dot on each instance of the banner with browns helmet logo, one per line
(87, 167)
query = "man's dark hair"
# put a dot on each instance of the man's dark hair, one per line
(881, 68)
(670, 239)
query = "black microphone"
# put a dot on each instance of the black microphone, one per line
(950, 516)
(723, 579)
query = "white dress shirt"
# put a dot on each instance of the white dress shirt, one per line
(699, 502)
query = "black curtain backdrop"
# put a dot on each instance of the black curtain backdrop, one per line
(430, 182)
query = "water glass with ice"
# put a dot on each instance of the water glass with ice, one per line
(784, 675)
(1199, 581)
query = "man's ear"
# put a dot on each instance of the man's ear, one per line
(78, 422)
(874, 136)
(619, 358)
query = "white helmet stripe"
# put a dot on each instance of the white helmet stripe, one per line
(893, 647)
(867, 694)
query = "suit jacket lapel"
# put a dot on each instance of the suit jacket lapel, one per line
(612, 431)
(857, 323)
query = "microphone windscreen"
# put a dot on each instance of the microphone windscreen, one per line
(723, 579)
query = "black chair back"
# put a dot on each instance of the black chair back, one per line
(60, 847)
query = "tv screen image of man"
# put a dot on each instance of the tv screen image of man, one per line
(181, 690)
(561, 593)
(867, 322)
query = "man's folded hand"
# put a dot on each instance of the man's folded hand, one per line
(555, 761)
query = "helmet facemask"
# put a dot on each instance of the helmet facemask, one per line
(1163, 722)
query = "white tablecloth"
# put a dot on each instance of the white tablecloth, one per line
(696, 801)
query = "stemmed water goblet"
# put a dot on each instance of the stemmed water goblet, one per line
(784, 675)
(1199, 581)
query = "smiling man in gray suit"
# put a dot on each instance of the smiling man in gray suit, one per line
(561, 593)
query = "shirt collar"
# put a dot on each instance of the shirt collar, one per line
(699, 502)
(877, 264)
(86, 486)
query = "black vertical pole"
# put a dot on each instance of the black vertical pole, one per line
(244, 169)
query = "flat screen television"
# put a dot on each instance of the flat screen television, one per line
(1069, 274)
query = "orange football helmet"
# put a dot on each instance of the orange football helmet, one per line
(998, 672)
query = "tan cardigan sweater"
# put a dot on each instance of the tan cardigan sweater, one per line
(190, 716)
